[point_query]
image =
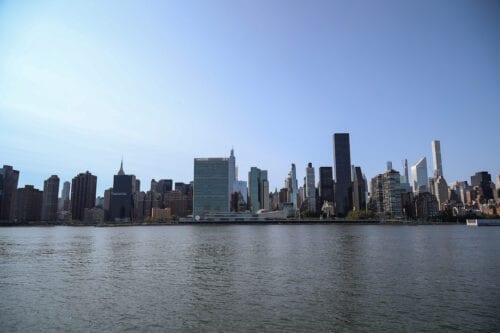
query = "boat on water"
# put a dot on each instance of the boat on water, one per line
(485, 222)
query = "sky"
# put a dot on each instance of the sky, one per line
(83, 83)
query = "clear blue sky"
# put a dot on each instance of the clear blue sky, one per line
(161, 82)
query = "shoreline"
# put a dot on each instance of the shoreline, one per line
(219, 223)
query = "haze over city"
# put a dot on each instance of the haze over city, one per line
(84, 83)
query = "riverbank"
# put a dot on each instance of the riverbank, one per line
(205, 223)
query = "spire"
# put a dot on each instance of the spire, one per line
(232, 151)
(121, 172)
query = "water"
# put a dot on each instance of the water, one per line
(250, 278)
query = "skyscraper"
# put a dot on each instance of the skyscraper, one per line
(392, 193)
(386, 193)
(325, 184)
(359, 190)
(232, 171)
(121, 205)
(441, 191)
(50, 196)
(406, 178)
(293, 187)
(66, 190)
(83, 190)
(211, 186)
(419, 175)
(8, 191)
(163, 186)
(310, 188)
(436, 158)
(482, 180)
(258, 189)
(28, 205)
(342, 164)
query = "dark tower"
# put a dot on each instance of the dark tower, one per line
(50, 198)
(325, 184)
(83, 190)
(342, 164)
(359, 189)
(122, 199)
(8, 190)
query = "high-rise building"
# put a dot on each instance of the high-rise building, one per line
(436, 158)
(163, 186)
(232, 171)
(28, 204)
(121, 205)
(386, 193)
(177, 202)
(310, 188)
(377, 194)
(441, 191)
(211, 186)
(65, 203)
(83, 188)
(325, 184)
(294, 189)
(241, 188)
(258, 189)
(8, 191)
(425, 205)
(66, 190)
(392, 193)
(482, 180)
(50, 196)
(342, 164)
(406, 178)
(419, 175)
(359, 190)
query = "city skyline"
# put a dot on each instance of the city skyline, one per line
(183, 81)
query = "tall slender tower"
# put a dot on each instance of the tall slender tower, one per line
(294, 192)
(342, 165)
(406, 178)
(49, 202)
(436, 158)
(232, 173)
(310, 188)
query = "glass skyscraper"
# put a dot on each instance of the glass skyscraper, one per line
(211, 186)
(419, 175)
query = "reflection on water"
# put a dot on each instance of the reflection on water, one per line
(234, 278)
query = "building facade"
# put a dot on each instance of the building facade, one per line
(83, 189)
(482, 180)
(325, 184)
(441, 191)
(50, 198)
(8, 191)
(342, 166)
(359, 190)
(419, 175)
(310, 189)
(258, 189)
(392, 193)
(121, 206)
(211, 186)
(28, 204)
(436, 158)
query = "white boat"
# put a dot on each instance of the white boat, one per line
(485, 222)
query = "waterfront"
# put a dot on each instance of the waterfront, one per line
(240, 278)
